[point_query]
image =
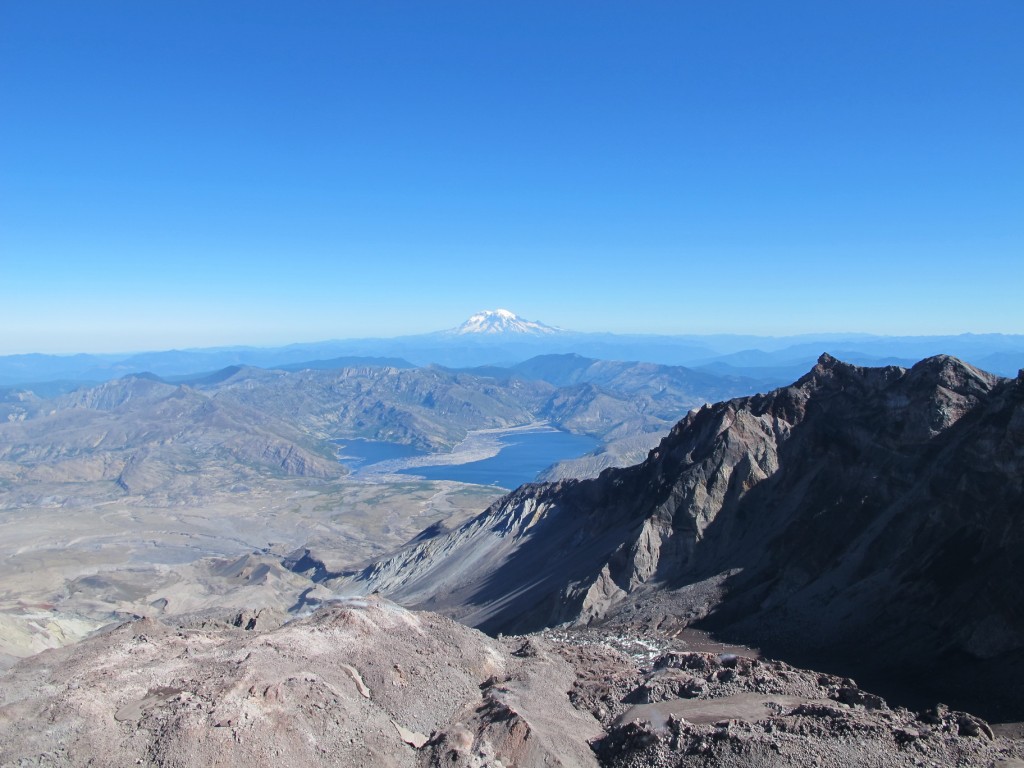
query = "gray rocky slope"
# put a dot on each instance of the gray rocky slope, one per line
(865, 519)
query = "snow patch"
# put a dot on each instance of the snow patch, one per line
(502, 321)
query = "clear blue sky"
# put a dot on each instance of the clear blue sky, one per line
(177, 173)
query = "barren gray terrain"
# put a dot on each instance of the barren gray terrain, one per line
(66, 570)
(855, 515)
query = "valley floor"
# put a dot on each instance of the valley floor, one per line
(71, 567)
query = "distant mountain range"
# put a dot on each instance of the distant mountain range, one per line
(502, 338)
(145, 434)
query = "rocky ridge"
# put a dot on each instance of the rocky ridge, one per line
(858, 502)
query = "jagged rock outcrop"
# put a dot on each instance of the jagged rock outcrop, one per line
(881, 503)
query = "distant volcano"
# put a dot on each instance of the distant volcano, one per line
(501, 322)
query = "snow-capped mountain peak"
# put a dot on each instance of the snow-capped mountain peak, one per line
(501, 321)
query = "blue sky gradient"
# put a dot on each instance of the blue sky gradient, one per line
(185, 173)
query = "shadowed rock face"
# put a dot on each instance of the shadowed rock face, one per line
(869, 515)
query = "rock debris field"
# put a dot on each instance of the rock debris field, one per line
(366, 682)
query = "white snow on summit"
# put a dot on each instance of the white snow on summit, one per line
(495, 321)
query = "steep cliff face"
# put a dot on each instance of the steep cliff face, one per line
(858, 502)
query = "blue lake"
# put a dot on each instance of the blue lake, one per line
(356, 454)
(523, 456)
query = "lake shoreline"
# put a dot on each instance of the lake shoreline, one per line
(477, 446)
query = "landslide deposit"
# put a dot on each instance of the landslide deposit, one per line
(866, 520)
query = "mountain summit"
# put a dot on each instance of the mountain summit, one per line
(501, 321)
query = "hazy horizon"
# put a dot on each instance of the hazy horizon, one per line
(189, 176)
(796, 337)
(180, 342)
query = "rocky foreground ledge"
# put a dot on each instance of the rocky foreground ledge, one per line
(365, 682)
